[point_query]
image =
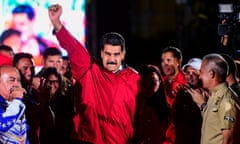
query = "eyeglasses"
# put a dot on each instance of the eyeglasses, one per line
(53, 82)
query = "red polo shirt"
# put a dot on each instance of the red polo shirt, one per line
(171, 92)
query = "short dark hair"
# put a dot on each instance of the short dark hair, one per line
(114, 39)
(7, 33)
(24, 8)
(53, 71)
(21, 55)
(51, 51)
(5, 48)
(65, 57)
(174, 50)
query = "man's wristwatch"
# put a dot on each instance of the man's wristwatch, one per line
(203, 105)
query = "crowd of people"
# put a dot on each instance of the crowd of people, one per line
(84, 100)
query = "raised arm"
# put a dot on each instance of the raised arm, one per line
(55, 12)
(78, 54)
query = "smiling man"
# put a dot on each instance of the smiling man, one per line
(171, 66)
(106, 111)
(13, 126)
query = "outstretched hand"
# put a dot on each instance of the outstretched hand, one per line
(54, 13)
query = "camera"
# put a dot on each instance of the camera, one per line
(229, 14)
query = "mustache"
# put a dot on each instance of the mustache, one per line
(112, 63)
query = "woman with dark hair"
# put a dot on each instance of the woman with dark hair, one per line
(152, 110)
(55, 125)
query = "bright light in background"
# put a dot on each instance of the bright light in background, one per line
(73, 17)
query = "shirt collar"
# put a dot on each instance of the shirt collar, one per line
(119, 69)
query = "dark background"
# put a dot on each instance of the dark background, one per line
(151, 25)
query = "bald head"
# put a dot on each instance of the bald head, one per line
(9, 79)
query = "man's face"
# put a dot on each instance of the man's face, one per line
(23, 24)
(112, 57)
(170, 64)
(65, 66)
(9, 78)
(192, 76)
(53, 61)
(26, 68)
(205, 75)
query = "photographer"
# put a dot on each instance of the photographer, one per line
(226, 40)
(228, 27)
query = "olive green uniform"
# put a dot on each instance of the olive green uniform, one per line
(219, 114)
